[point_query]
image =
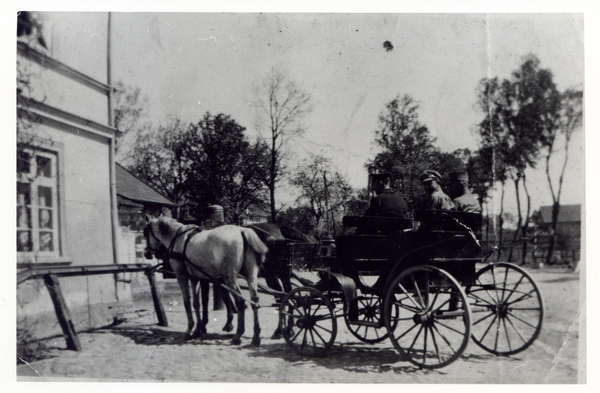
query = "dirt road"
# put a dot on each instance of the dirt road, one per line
(139, 350)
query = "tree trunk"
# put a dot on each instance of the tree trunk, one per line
(273, 175)
(519, 215)
(525, 227)
(552, 244)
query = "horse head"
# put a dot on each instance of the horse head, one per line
(154, 247)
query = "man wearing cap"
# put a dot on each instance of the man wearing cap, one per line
(463, 200)
(436, 199)
(387, 202)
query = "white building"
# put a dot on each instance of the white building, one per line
(66, 192)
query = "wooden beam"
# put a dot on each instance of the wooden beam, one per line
(62, 312)
(160, 312)
(71, 271)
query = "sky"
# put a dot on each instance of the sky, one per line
(190, 63)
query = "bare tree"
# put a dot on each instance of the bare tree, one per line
(281, 107)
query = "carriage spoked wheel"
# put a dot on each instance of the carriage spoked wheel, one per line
(427, 316)
(307, 321)
(368, 325)
(507, 308)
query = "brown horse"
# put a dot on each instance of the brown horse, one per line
(220, 253)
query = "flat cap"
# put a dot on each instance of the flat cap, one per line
(459, 176)
(430, 175)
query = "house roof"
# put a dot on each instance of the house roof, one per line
(133, 189)
(567, 213)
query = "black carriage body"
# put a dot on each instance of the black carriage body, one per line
(384, 246)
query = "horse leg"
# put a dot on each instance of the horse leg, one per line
(205, 288)
(241, 310)
(184, 285)
(230, 307)
(254, 298)
(200, 326)
(283, 273)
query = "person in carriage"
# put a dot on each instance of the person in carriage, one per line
(387, 202)
(436, 199)
(463, 200)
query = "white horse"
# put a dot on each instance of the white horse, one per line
(220, 253)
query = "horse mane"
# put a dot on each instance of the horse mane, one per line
(168, 226)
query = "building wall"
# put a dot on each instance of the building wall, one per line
(85, 175)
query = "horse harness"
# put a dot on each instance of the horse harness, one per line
(191, 231)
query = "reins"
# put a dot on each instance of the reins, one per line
(270, 234)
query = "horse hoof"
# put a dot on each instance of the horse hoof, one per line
(276, 336)
(256, 341)
(227, 328)
(236, 341)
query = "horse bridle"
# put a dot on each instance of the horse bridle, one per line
(162, 250)
(149, 232)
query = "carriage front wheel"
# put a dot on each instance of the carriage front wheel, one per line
(507, 308)
(427, 316)
(308, 322)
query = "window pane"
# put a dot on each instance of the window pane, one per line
(23, 162)
(44, 196)
(45, 219)
(23, 217)
(23, 241)
(46, 241)
(23, 194)
(44, 166)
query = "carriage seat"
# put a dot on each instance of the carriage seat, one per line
(377, 224)
(443, 220)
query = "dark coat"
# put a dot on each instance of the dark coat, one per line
(389, 203)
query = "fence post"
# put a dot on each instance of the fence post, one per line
(62, 312)
(160, 312)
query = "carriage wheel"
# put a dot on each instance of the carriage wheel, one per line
(432, 316)
(507, 308)
(369, 326)
(308, 321)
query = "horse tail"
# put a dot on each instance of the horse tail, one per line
(252, 240)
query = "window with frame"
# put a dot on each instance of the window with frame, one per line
(38, 214)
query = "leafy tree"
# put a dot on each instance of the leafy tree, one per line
(130, 114)
(227, 168)
(157, 157)
(516, 111)
(197, 165)
(298, 217)
(281, 107)
(563, 122)
(323, 194)
(407, 148)
(29, 32)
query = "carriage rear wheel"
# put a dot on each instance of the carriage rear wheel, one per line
(427, 316)
(368, 325)
(308, 321)
(507, 308)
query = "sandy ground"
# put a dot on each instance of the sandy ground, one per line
(140, 350)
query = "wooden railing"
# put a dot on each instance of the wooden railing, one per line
(50, 276)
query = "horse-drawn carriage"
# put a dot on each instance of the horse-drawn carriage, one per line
(425, 289)
(420, 283)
